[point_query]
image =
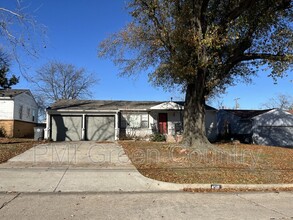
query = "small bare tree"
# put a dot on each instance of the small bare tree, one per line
(281, 101)
(55, 81)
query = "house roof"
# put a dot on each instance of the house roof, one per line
(211, 108)
(109, 105)
(246, 114)
(13, 92)
(101, 105)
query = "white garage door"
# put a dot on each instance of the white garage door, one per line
(100, 128)
(66, 128)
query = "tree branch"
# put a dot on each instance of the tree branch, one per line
(11, 12)
(265, 56)
(242, 7)
(161, 32)
(203, 16)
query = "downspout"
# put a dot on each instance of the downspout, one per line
(117, 126)
(83, 136)
(47, 133)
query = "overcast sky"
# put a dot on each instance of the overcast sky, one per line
(75, 28)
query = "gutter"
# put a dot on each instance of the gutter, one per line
(6, 98)
(82, 111)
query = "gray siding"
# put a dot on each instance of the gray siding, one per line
(233, 125)
(274, 128)
(274, 136)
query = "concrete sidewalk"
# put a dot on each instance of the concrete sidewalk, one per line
(150, 205)
(82, 167)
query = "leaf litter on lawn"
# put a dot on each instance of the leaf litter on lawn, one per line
(11, 147)
(230, 163)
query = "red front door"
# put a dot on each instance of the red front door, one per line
(163, 123)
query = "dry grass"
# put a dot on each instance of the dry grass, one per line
(233, 164)
(276, 190)
(11, 147)
(230, 164)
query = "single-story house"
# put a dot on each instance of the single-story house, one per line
(272, 127)
(73, 120)
(18, 113)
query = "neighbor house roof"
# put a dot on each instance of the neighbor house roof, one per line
(13, 92)
(246, 114)
(108, 105)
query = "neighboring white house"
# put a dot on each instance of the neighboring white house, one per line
(272, 127)
(18, 112)
(110, 120)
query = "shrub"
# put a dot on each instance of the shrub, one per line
(158, 137)
(2, 132)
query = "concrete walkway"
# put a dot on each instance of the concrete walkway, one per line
(81, 167)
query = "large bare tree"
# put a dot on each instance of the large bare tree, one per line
(203, 45)
(56, 80)
(20, 33)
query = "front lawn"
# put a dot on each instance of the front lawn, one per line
(230, 164)
(11, 147)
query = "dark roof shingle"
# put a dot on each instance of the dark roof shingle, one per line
(102, 104)
(108, 105)
(12, 92)
(247, 114)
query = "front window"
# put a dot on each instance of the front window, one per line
(20, 111)
(144, 121)
(28, 112)
(135, 120)
(34, 115)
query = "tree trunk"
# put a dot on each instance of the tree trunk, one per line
(194, 134)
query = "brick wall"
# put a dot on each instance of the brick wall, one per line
(15, 128)
(23, 129)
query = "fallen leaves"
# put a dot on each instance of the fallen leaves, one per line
(229, 163)
(11, 147)
(274, 189)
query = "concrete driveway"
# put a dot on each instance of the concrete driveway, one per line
(76, 167)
